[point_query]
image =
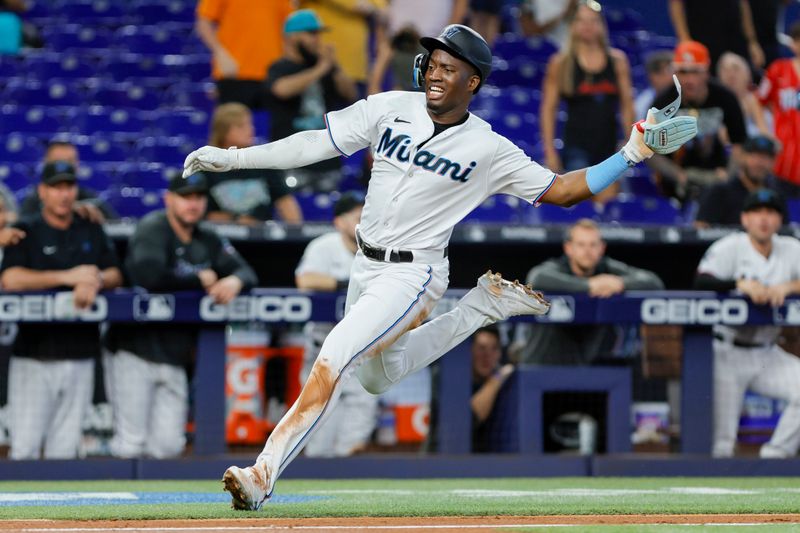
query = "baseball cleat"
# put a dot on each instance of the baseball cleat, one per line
(513, 298)
(248, 487)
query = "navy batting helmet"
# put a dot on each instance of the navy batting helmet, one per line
(459, 41)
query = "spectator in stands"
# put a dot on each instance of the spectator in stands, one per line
(594, 80)
(734, 73)
(169, 251)
(396, 56)
(780, 93)
(87, 205)
(484, 17)
(721, 25)
(244, 39)
(583, 268)
(767, 14)
(704, 160)
(547, 18)
(16, 31)
(765, 267)
(658, 66)
(488, 377)
(348, 32)
(398, 42)
(307, 82)
(245, 196)
(325, 266)
(51, 374)
(721, 204)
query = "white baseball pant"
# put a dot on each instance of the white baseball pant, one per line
(150, 402)
(769, 371)
(47, 403)
(379, 340)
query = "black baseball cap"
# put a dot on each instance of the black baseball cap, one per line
(764, 198)
(760, 144)
(58, 172)
(196, 183)
(347, 202)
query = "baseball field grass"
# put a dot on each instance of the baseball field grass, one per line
(443, 498)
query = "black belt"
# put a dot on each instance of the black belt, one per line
(742, 344)
(378, 253)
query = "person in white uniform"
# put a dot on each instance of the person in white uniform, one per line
(434, 162)
(766, 268)
(325, 266)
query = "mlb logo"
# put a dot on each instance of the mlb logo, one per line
(153, 307)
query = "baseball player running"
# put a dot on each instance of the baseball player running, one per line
(766, 268)
(434, 162)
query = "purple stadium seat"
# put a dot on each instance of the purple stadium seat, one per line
(77, 36)
(522, 71)
(100, 148)
(34, 93)
(623, 20)
(645, 210)
(17, 177)
(166, 151)
(510, 47)
(555, 214)
(20, 148)
(35, 119)
(513, 126)
(192, 95)
(127, 95)
(794, 211)
(134, 67)
(96, 180)
(154, 12)
(316, 206)
(155, 40)
(97, 119)
(496, 209)
(91, 10)
(134, 202)
(185, 123)
(147, 176)
(47, 67)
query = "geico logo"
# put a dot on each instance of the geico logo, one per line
(50, 307)
(242, 375)
(264, 308)
(684, 311)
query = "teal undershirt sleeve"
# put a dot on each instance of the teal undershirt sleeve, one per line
(601, 175)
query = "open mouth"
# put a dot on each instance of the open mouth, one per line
(435, 92)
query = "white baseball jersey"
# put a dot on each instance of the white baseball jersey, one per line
(421, 186)
(733, 257)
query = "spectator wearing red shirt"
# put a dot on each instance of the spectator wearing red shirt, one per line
(780, 92)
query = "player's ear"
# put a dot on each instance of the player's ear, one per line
(473, 83)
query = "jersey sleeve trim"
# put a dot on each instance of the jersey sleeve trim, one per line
(537, 201)
(330, 134)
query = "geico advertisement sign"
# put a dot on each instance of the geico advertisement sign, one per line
(689, 311)
(49, 307)
(264, 308)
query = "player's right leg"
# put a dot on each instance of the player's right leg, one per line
(132, 396)
(731, 376)
(780, 378)
(391, 299)
(169, 412)
(31, 401)
(493, 299)
(75, 387)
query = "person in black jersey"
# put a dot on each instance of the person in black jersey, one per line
(169, 251)
(51, 375)
(594, 81)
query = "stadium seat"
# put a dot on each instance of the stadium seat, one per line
(134, 67)
(186, 123)
(513, 126)
(623, 20)
(29, 119)
(500, 209)
(35, 93)
(316, 207)
(147, 176)
(78, 36)
(555, 214)
(647, 210)
(134, 202)
(794, 211)
(100, 148)
(91, 178)
(20, 148)
(17, 177)
(510, 47)
(194, 67)
(169, 151)
(522, 71)
(69, 66)
(97, 119)
(155, 40)
(127, 95)
(195, 96)
(91, 10)
(154, 12)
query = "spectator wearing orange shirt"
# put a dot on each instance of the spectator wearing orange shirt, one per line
(245, 38)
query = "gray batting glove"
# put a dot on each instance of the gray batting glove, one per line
(210, 159)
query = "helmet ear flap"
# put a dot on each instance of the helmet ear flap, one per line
(420, 66)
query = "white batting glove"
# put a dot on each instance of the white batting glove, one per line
(211, 159)
(635, 150)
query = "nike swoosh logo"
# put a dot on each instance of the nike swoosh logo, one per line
(398, 119)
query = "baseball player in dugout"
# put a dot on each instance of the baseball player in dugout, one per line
(765, 267)
(169, 251)
(51, 375)
(325, 266)
(434, 162)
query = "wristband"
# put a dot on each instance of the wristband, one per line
(601, 175)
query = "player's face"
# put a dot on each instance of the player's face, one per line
(62, 153)
(485, 354)
(449, 83)
(585, 248)
(346, 222)
(58, 199)
(758, 166)
(241, 133)
(761, 223)
(694, 82)
(187, 209)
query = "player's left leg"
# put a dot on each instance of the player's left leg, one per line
(76, 386)
(779, 379)
(169, 412)
(494, 299)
